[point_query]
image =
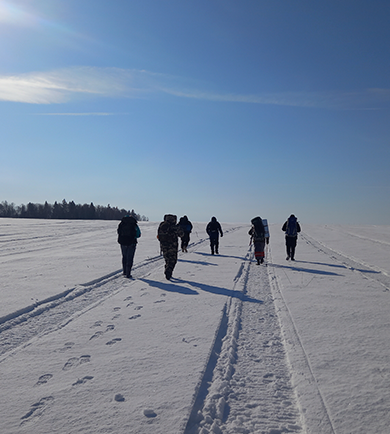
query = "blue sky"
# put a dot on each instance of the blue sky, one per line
(206, 107)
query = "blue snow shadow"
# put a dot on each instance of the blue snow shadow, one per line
(174, 286)
(305, 270)
(170, 287)
(241, 258)
(197, 262)
(343, 266)
(220, 291)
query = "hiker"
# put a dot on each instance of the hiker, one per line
(213, 230)
(168, 233)
(291, 228)
(186, 225)
(259, 236)
(128, 232)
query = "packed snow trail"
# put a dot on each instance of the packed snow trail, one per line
(261, 398)
(129, 363)
(334, 306)
(155, 356)
(249, 389)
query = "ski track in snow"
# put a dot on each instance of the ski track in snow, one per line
(48, 315)
(368, 272)
(246, 386)
(55, 314)
(257, 366)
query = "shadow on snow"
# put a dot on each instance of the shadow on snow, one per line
(221, 256)
(305, 270)
(175, 285)
(362, 270)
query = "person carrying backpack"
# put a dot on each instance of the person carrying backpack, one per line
(128, 232)
(168, 233)
(186, 226)
(291, 227)
(259, 236)
(213, 230)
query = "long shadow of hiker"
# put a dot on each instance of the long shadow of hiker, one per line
(221, 256)
(220, 291)
(173, 286)
(341, 266)
(305, 270)
(170, 287)
(197, 262)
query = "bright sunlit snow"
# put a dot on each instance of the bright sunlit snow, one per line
(227, 346)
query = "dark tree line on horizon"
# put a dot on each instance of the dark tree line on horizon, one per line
(65, 210)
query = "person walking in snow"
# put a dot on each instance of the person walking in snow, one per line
(213, 230)
(259, 236)
(128, 232)
(186, 226)
(291, 228)
(168, 233)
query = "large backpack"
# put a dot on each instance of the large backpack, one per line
(258, 228)
(291, 228)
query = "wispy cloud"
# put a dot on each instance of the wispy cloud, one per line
(75, 114)
(63, 85)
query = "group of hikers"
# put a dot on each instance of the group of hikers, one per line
(169, 232)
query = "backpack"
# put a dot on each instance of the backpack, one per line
(258, 229)
(291, 228)
(167, 232)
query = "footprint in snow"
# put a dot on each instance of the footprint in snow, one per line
(96, 335)
(135, 316)
(82, 380)
(110, 327)
(268, 378)
(119, 397)
(43, 379)
(138, 307)
(97, 324)
(76, 361)
(36, 410)
(67, 346)
(128, 298)
(149, 413)
(160, 301)
(113, 341)
(117, 308)
(116, 316)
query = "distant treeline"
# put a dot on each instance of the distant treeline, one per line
(65, 210)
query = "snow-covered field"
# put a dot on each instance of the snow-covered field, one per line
(225, 347)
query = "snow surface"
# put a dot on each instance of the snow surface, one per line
(227, 346)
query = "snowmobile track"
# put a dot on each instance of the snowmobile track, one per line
(45, 316)
(247, 363)
(368, 272)
(303, 379)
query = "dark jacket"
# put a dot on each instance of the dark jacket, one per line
(214, 229)
(185, 224)
(128, 231)
(168, 231)
(291, 227)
